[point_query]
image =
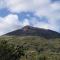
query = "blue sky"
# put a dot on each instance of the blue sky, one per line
(14, 14)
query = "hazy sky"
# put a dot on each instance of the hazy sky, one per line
(15, 14)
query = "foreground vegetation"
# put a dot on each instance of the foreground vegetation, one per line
(29, 48)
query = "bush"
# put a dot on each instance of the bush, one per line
(9, 51)
(42, 58)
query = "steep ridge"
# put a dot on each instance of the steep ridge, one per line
(34, 31)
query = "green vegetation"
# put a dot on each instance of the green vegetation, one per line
(9, 51)
(29, 48)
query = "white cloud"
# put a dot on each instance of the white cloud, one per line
(35, 23)
(23, 5)
(52, 12)
(55, 6)
(18, 5)
(54, 25)
(2, 4)
(41, 25)
(9, 23)
(26, 22)
(40, 7)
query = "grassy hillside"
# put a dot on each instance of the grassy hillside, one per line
(35, 47)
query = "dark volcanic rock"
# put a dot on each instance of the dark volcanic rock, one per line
(33, 31)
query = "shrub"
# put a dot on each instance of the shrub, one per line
(9, 51)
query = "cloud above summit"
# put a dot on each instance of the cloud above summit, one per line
(40, 8)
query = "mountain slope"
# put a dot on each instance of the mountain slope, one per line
(33, 31)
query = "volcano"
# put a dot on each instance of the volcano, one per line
(34, 31)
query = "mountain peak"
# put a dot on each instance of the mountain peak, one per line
(26, 28)
(34, 31)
